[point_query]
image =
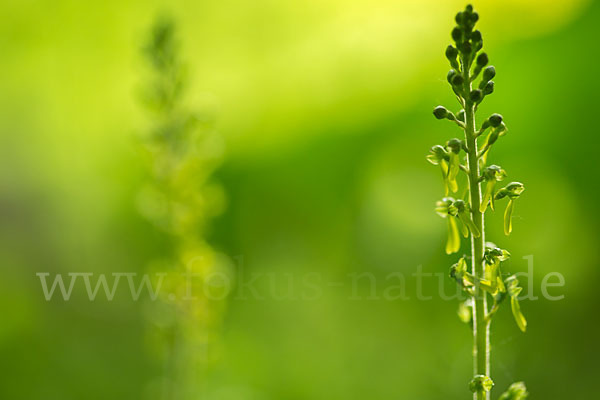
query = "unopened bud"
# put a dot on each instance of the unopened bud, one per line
(460, 17)
(440, 112)
(476, 95)
(489, 73)
(495, 120)
(458, 80)
(482, 60)
(457, 34)
(489, 88)
(451, 52)
(451, 74)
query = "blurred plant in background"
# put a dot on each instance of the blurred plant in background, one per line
(183, 149)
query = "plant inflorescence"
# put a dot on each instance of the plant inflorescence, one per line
(485, 283)
(182, 149)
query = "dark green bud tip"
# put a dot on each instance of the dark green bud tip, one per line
(476, 36)
(489, 73)
(495, 120)
(451, 74)
(482, 60)
(440, 112)
(454, 145)
(461, 115)
(458, 80)
(457, 34)
(476, 95)
(489, 88)
(469, 8)
(481, 383)
(451, 53)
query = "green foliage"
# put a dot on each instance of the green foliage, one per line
(485, 281)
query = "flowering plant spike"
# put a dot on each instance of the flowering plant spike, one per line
(485, 284)
(180, 198)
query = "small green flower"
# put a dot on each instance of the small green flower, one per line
(513, 289)
(439, 156)
(446, 209)
(492, 137)
(491, 175)
(492, 276)
(453, 146)
(459, 272)
(465, 218)
(513, 191)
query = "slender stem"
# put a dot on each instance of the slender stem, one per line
(481, 332)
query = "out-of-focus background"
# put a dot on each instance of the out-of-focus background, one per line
(325, 109)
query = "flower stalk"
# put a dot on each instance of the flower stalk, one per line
(484, 284)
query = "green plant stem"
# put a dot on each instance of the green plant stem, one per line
(481, 332)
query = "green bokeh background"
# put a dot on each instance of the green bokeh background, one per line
(325, 107)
